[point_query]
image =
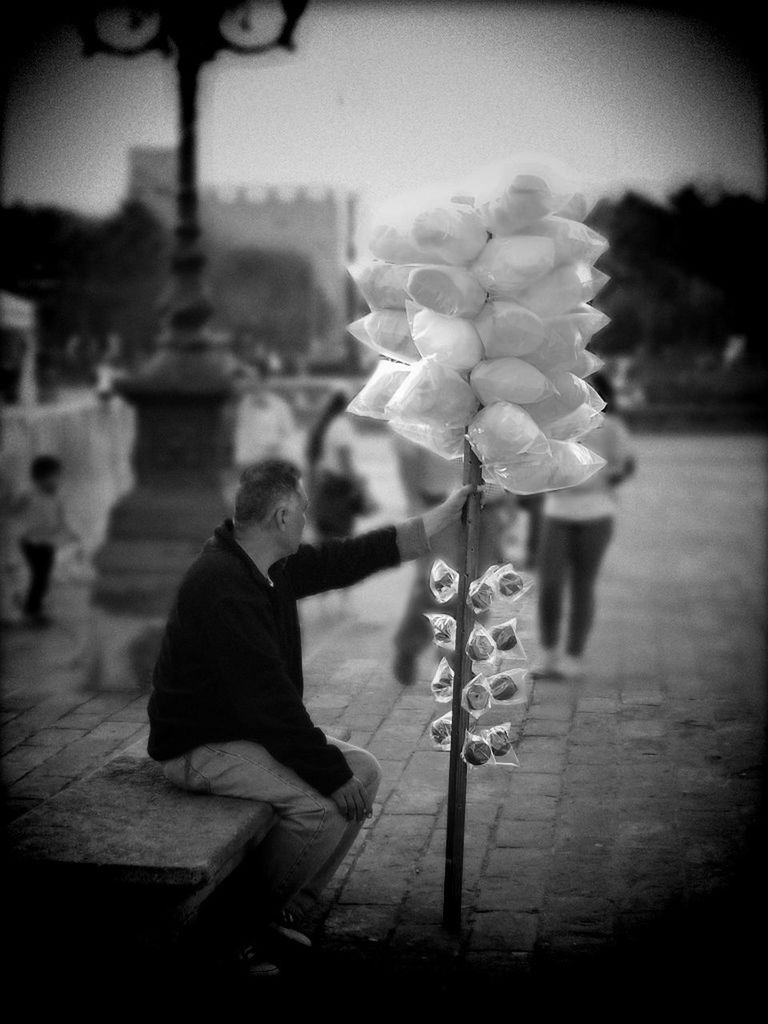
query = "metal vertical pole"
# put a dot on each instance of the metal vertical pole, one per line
(457, 785)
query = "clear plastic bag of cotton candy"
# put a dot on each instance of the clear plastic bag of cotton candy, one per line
(514, 193)
(440, 732)
(432, 406)
(441, 683)
(432, 225)
(372, 398)
(562, 339)
(453, 341)
(567, 464)
(382, 285)
(443, 581)
(516, 454)
(386, 332)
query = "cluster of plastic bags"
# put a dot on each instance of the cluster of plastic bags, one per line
(499, 665)
(480, 309)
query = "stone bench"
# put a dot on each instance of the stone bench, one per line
(124, 847)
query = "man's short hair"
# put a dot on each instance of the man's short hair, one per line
(261, 486)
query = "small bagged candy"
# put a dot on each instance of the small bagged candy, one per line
(509, 583)
(443, 581)
(443, 628)
(509, 686)
(440, 732)
(504, 635)
(504, 688)
(451, 291)
(480, 645)
(386, 331)
(442, 682)
(452, 340)
(507, 265)
(379, 388)
(477, 751)
(508, 329)
(382, 285)
(482, 591)
(499, 738)
(510, 380)
(476, 696)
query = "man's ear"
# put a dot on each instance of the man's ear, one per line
(280, 516)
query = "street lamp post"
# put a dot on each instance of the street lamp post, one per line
(183, 435)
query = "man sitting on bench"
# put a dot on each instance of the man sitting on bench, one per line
(226, 711)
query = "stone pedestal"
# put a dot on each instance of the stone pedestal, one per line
(182, 453)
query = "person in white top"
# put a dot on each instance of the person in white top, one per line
(265, 427)
(577, 527)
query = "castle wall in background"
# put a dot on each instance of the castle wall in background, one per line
(318, 223)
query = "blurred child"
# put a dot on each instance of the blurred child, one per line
(41, 528)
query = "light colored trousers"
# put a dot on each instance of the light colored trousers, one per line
(311, 837)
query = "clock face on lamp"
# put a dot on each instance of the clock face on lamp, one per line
(253, 23)
(126, 29)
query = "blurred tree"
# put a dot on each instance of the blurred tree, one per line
(89, 276)
(683, 277)
(270, 298)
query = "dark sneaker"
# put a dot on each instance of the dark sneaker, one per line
(286, 926)
(254, 962)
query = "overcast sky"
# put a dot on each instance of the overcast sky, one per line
(382, 98)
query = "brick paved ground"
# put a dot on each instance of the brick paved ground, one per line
(627, 836)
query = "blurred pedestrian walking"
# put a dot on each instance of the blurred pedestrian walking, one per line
(427, 480)
(338, 492)
(41, 528)
(264, 426)
(577, 527)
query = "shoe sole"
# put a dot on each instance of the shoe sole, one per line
(297, 938)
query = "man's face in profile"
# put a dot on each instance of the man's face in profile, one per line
(296, 517)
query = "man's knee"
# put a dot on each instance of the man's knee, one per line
(366, 768)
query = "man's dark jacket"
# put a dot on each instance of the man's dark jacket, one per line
(230, 663)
